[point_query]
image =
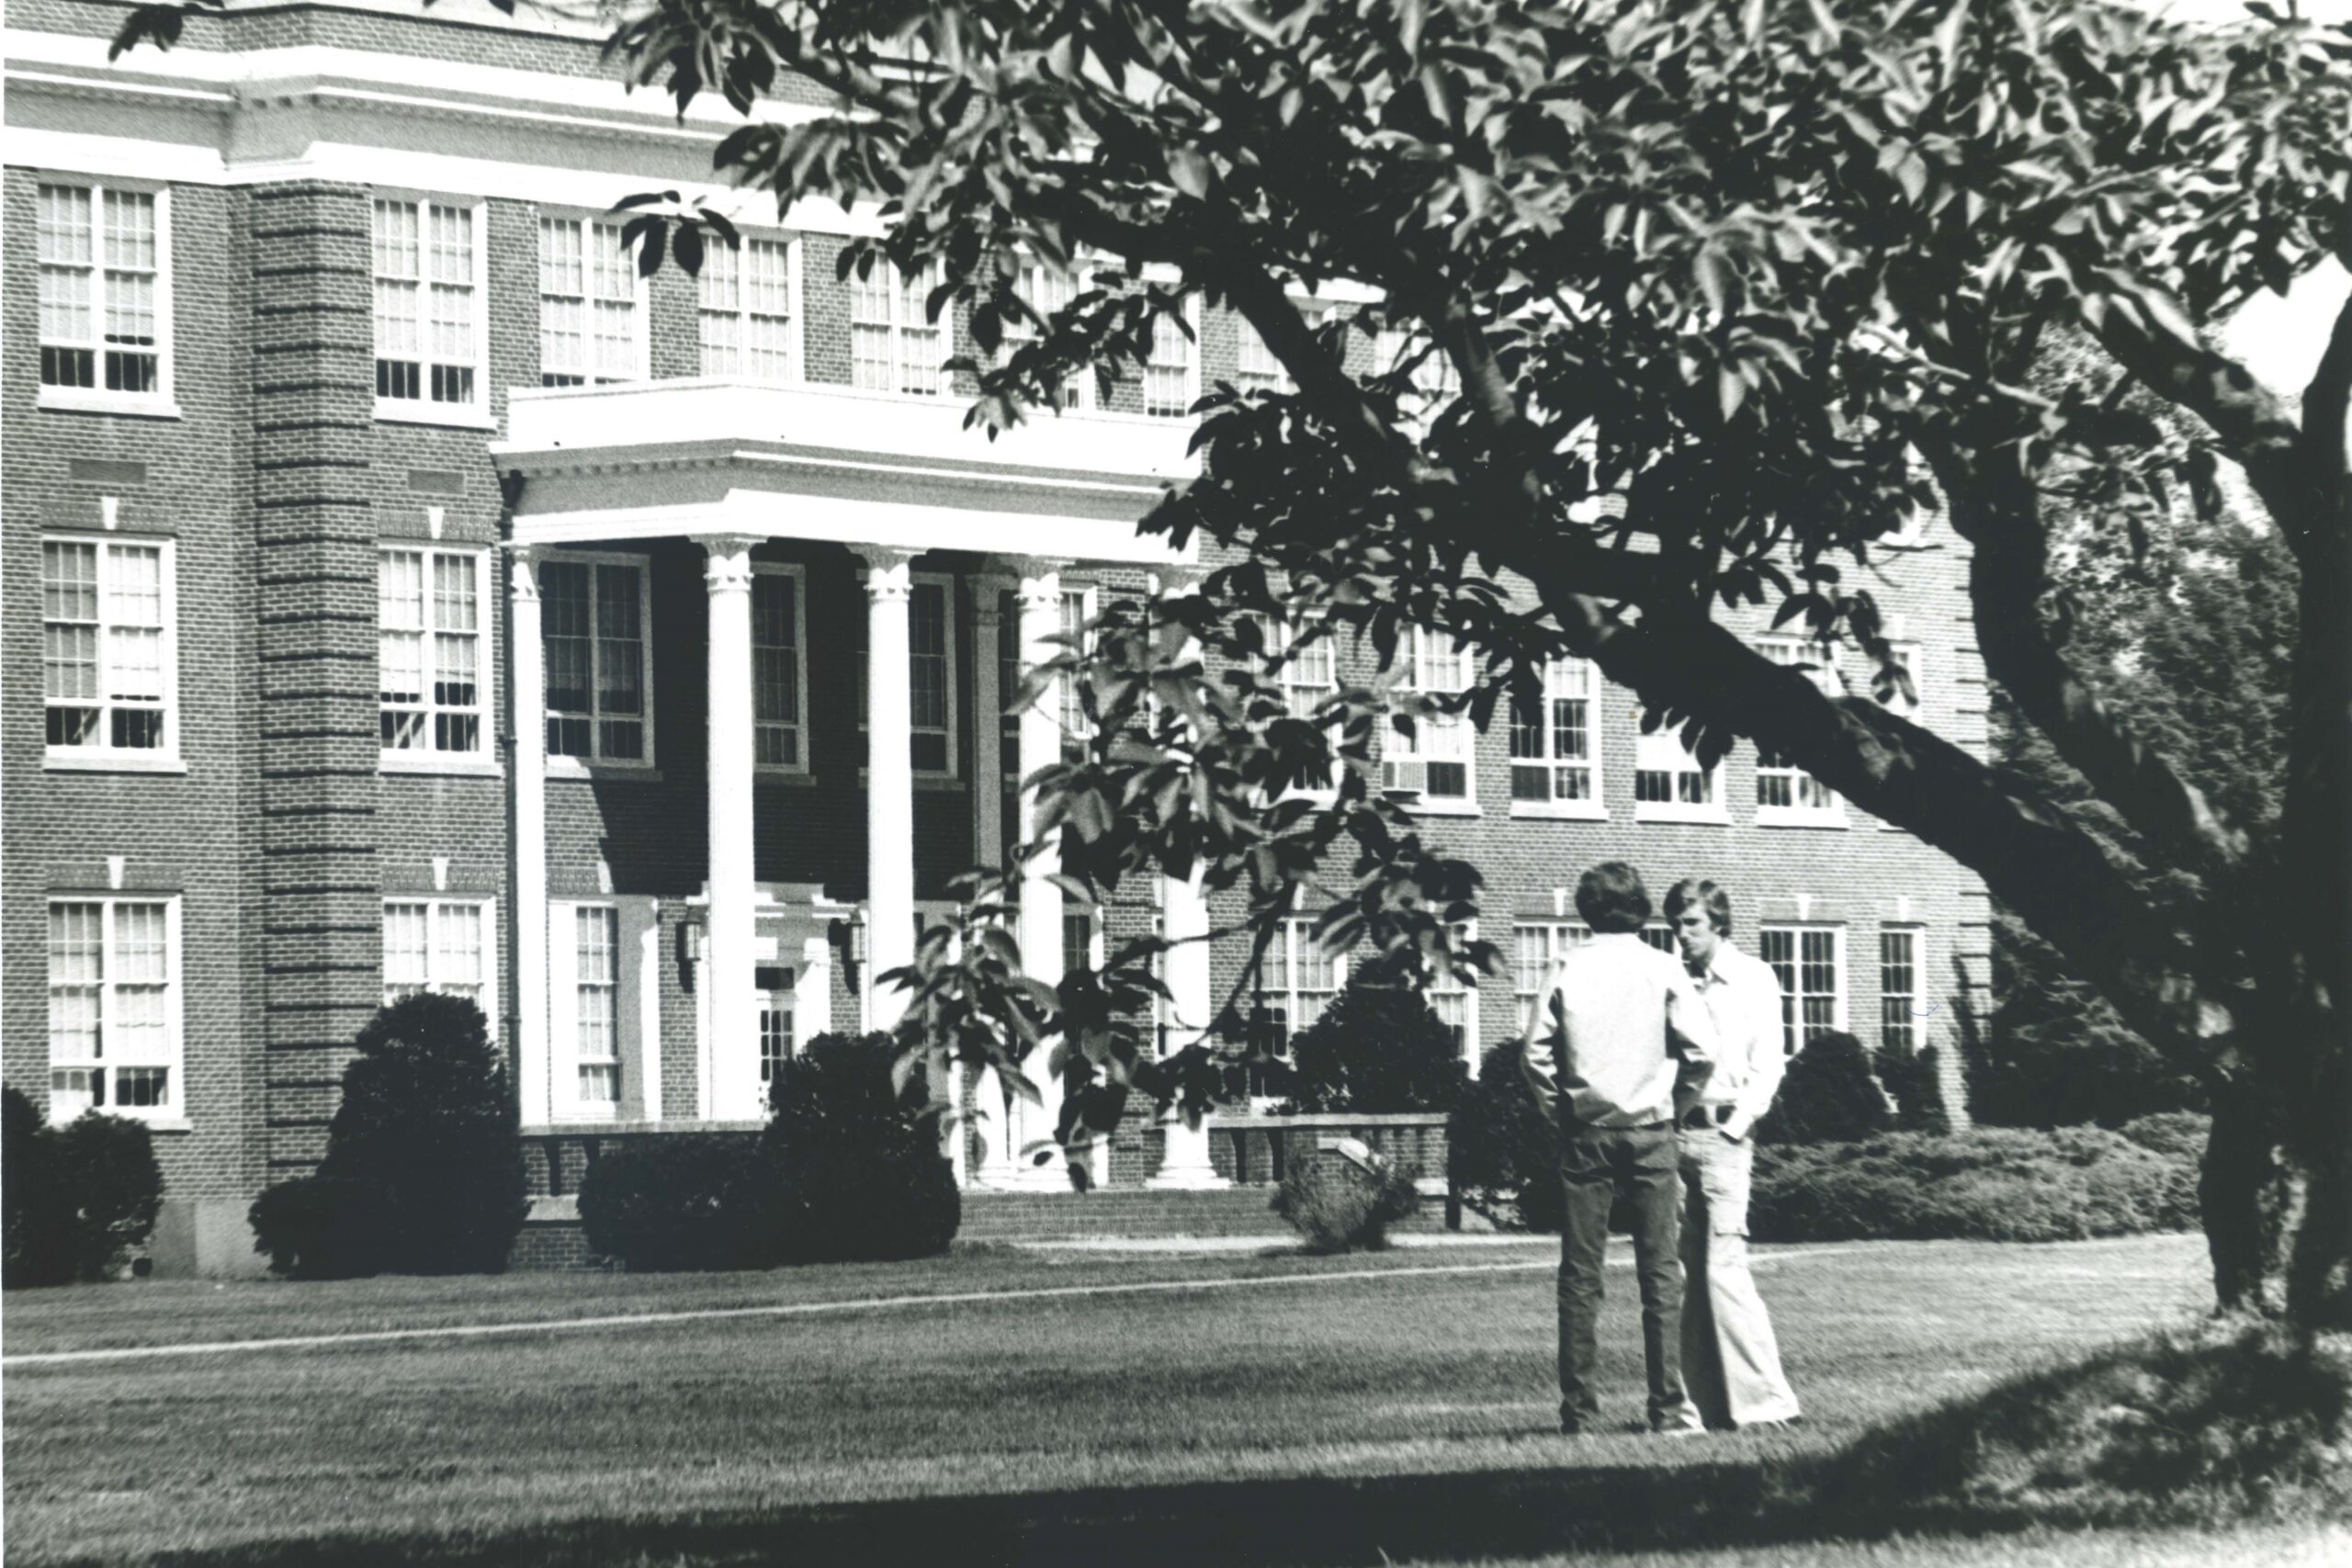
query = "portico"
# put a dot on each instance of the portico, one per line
(921, 505)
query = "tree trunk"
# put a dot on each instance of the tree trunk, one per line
(2238, 1197)
(2319, 1269)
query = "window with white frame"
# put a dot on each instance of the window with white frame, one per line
(1171, 376)
(1008, 692)
(595, 1009)
(1081, 938)
(1257, 368)
(109, 654)
(931, 674)
(779, 670)
(1668, 783)
(1554, 758)
(591, 305)
(1540, 944)
(895, 346)
(114, 1006)
(1432, 762)
(778, 1029)
(1296, 983)
(105, 290)
(440, 945)
(1049, 291)
(750, 313)
(430, 337)
(1307, 670)
(429, 651)
(1898, 988)
(593, 613)
(1069, 694)
(1810, 964)
(1784, 793)
(1455, 1003)
(1434, 380)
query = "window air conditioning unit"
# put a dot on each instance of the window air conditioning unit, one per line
(1404, 775)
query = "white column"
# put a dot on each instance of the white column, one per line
(889, 782)
(727, 968)
(529, 709)
(1040, 598)
(1185, 921)
(813, 999)
(987, 727)
(997, 1125)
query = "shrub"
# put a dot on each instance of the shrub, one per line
(1908, 1075)
(39, 1246)
(2179, 1134)
(1337, 1205)
(673, 1203)
(427, 1118)
(321, 1227)
(851, 1169)
(107, 1170)
(1376, 1049)
(1990, 1184)
(1828, 1096)
(1503, 1156)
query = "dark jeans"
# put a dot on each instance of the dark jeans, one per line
(1596, 1164)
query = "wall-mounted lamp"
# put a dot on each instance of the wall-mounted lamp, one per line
(689, 955)
(857, 953)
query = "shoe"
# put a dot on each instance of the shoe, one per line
(1678, 1431)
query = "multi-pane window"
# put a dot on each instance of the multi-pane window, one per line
(108, 661)
(895, 345)
(1456, 1004)
(1008, 691)
(1307, 668)
(592, 619)
(1783, 792)
(1433, 381)
(1171, 376)
(1079, 929)
(429, 651)
(1662, 938)
(113, 1014)
(1813, 992)
(1668, 783)
(1553, 754)
(1048, 292)
(1898, 988)
(428, 304)
(1069, 692)
(748, 328)
(931, 678)
(1257, 368)
(436, 945)
(779, 678)
(590, 319)
(104, 289)
(777, 1022)
(1540, 944)
(1296, 982)
(595, 1017)
(1433, 761)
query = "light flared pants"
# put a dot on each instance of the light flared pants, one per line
(1731, 1363)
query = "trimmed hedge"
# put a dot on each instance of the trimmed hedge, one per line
(321, 1227)
(1990, 1184)
(851, 1170)
(1829, 1096)
(673, 1203)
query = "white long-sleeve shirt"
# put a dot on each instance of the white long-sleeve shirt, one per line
(1601, 1048)
(1742, 998)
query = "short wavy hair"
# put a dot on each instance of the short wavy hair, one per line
(1692, 890)
(1612, 898)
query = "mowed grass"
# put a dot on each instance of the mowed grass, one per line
(1274, 1409)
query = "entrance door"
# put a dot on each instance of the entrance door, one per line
(778, 1039)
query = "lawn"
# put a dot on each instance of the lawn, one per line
(1268, 1409)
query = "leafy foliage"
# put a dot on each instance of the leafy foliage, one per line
(1830, 1095)
(427, 1119)
(1377, 1048)
(321, 1228)
(1338, 1205)
(39, 1248)
(1505, 1157)
(77, 1197)
(853, 1170)
(676, 1204)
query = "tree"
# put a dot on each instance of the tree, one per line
(1765, 276)
(1377, 1048)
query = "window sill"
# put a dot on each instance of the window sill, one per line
(584, 1116)
(112, 762)
(1425, 806)
(152, 1124)
(1560, 811)
(627, 772)
(452, 416)
(934, 783)
(1701, 816)
(1792, 817)
(432, 765)
(75, 400)
(801, 778)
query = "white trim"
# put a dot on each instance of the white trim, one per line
(560, 764)
(1917, 932)
(492, 934)
(909, 299)
(946, 586)
(105, 757)
(478, 759)
(796, 325)
(1714, 812)
(1080, 387)
(472, 412)
(1471, 995)
(798, 574)
(1592, 807)
(160, 403)
(1839, 999)
(174, 1060)
(587, 222)
(563, 1010)
(1422, 656)
(1829, 811)
(1192, 351)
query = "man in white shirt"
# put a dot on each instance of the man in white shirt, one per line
(1614, 1027)
(1729, 1355)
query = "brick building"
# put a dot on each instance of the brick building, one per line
(401, 593)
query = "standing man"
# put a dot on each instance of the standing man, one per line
(1727, 1345)
(1613, 1027)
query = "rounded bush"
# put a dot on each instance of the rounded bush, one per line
(1376, 1049)
(321, 1227)
(427, 1118)
(851, 1169)
(673, 1203)
(107, 1170)
(1828, 1096)
(1338, 1205)
(1503, 1156)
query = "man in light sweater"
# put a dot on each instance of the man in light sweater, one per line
(1614, 1025)
(1728, 1351)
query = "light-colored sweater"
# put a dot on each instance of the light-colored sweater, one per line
(1615, 1025)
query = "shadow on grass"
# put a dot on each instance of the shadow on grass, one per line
(2202, 1428)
